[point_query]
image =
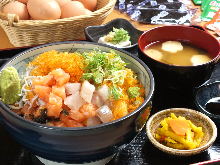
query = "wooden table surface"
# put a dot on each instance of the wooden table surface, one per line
(5, 43)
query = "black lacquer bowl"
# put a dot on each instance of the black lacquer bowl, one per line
(85, 144)
(93, 33)
(174, 76)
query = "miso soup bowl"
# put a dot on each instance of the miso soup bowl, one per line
(180, 76)
(82, 144)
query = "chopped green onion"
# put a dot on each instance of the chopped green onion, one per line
(133, 92)
(118, 35)
(115, 92)
(103, 66)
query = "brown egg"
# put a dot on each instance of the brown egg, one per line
(62, 2)
(73, 8)
(23, 1)
(44, 9)
(17, 8)
(89, 4)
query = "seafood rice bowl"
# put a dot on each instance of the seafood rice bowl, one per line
(75, 102)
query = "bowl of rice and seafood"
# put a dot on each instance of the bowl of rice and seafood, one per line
(75, 102)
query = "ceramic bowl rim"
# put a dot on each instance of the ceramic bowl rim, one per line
(178, 151)
(109, 23)
(43, 126)
(179, 66)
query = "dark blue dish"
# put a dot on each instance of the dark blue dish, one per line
(85, 144)
(93, 33)
(203, 94)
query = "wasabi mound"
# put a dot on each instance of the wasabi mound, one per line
(10, 85)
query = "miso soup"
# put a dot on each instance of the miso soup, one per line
(177, 53)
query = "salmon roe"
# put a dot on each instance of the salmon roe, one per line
(71, 63)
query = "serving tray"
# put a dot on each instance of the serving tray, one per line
(139, 152)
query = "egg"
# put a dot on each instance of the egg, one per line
(23, 1)
(73, 8)
(17, 8)
(44, 10)
(62, 2)
(89, 4)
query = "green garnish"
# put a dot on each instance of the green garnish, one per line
(133, 92)
(10, 85)
(117, 35)
(103, 66)
(116, 92)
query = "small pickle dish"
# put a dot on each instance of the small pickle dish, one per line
(181, 131)
(99, 32)
(80, 140)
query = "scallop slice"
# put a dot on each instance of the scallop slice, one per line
(198, 59)
(172, 46)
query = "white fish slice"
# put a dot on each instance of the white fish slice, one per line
(97, 100)
(71, 88)
(74, 101)
(103, 92)
(86, 91)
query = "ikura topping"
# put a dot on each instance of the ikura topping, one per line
(178, 132)
(76, 89)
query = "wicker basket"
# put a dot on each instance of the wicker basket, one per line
(34, 32)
